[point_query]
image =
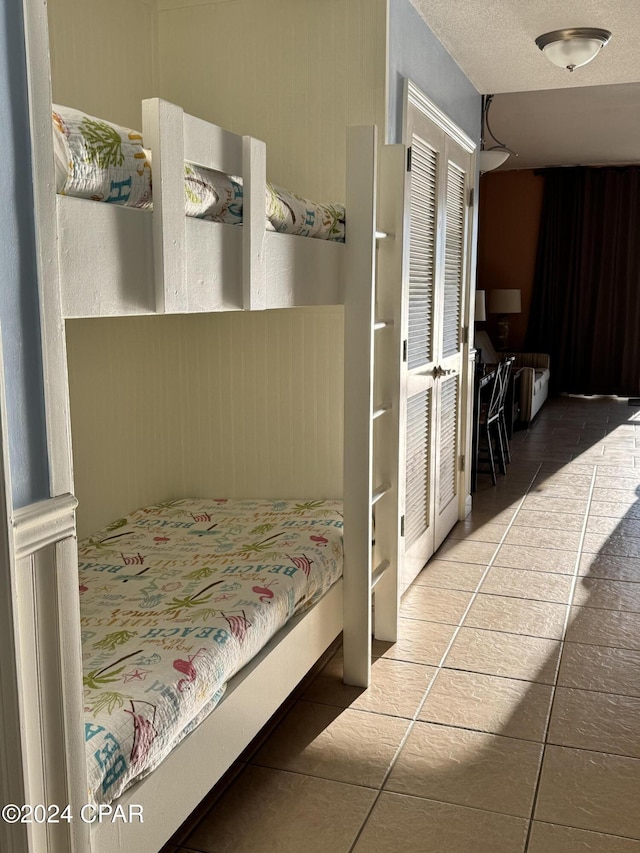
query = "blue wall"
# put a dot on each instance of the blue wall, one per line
(415, 52)
(19, 317)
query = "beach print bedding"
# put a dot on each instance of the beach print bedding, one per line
(175, 599)
(104, 162)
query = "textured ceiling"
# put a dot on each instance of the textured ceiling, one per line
(493, 41)
(550, 116)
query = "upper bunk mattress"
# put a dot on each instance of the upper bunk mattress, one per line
(98, 160)
(174, 600)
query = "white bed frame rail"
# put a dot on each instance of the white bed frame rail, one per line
(175, 138)
(119, 261)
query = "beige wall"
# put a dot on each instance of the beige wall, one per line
(509, 221)
(103, 57)
(236, 404)
(294, 73)
(233, 405)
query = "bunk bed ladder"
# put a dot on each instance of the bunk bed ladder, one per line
(388, 435)
(371, 432)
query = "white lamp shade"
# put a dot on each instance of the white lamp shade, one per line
(480, 310)
(504, 302)
(491, 158)
(572, 52)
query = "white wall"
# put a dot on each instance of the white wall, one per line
(295, 73)
(103, 56)
(231, 405)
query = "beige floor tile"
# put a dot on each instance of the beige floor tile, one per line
(536, 559)
(615, 471)
(615, 496)
(433, 604)
(608, 594)
(606, 566)
(559, 455)
(396, 688)
(565, 477)
(486, 703)
(466, 552)
(628, 484)
(574, 467)
(628, 508)
(272, 810)
(467, 768)
(597, 627)
(517, 616)
(335, 743)
(536, 537)
(500, 516)
(418, 642)
(521, 583)
(547, 838)
(561, 490)
(449, 575)
(411, 825)
(590, 790)
(510, 655)
(616, 544)
(605, 525)
(548, 519)
(473, 532)
(600, 668)
(537, 503)
(602, 722)
(178, 839)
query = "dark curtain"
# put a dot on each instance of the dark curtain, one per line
(585, 309)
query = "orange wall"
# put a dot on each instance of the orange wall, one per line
(510, 207)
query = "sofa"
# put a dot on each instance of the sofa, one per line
(534, 379)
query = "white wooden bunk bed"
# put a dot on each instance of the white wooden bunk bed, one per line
(117, 262)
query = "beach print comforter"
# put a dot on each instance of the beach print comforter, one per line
(98, 160)
(174, 600)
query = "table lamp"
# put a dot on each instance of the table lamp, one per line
(504, 303)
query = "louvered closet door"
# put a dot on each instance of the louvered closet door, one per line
(438, 226)
(421, 348)
(449, 344)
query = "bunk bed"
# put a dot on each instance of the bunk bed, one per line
(117, 261)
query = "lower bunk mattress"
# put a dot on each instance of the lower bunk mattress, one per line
(175, 599)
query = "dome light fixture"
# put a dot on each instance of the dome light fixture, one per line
(496, 155)
(573, 47)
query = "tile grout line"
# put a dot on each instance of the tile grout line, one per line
(440, 666)
(574, 583)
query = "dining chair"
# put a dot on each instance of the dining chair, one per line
(492, 419)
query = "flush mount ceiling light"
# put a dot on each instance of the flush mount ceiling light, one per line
(573, 47)
(496, 155)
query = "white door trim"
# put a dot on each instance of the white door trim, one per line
(417, 98)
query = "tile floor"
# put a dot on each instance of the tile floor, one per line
(507, 717)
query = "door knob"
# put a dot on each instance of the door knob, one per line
(440, 371)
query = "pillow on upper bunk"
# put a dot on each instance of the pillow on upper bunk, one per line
(212, 195)
(293, 214)
(99, 160)
(102, 161)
